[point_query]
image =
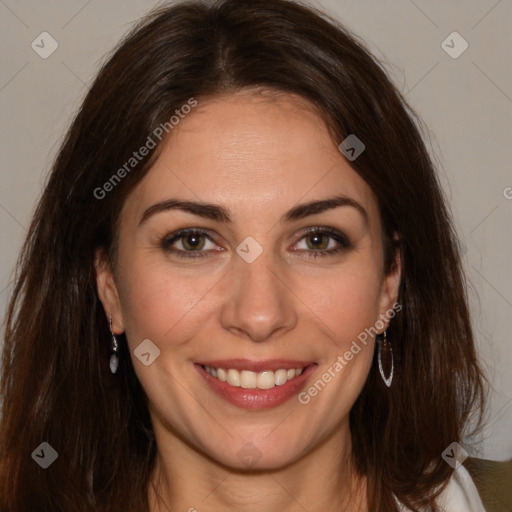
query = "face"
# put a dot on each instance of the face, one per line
(258, 287)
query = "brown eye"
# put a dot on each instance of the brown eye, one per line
(317, 241)
(193, 241)
(323, 242)
(188, 243)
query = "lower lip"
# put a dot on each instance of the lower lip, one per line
(257, 399)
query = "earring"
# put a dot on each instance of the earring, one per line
(114, 348)
(385, 352)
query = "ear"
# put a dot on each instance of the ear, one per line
(390, 287)
(107, 291)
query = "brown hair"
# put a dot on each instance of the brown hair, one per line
(56, 385)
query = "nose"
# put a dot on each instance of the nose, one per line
(257, 303)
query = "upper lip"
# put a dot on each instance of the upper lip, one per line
(255, 366)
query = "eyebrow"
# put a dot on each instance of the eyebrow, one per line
(221, 214)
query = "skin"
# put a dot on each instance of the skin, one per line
(257, 155)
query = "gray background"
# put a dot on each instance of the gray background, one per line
(465, 102)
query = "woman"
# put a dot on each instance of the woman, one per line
(241, 289)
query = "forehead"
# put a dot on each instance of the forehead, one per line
(251, 151)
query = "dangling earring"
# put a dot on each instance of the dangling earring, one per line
(385, 352)
(114, 348)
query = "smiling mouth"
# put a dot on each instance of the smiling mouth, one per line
(256, 385)
(247, 379)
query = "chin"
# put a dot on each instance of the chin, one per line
(257, 456)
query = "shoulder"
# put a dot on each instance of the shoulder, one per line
(479, 485)
(460, 495)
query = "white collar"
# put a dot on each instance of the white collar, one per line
(460, 495)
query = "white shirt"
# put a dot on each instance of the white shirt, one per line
(460, 495)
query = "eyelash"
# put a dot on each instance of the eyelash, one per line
(340, 238)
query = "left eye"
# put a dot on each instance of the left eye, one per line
(323, 242)
(318, 241)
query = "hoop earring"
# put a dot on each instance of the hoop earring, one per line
(385, 352)
(114, 348)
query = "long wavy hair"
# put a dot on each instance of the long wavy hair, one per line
(56, 386)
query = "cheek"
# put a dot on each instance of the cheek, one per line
(345, 307)
(159, 304)
(346, 302)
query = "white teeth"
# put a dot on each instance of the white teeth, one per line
(266, 380)
(234, 378)
(252, 380)
(280, 376)
(248, 379)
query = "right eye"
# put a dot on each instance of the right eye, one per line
(187, 243)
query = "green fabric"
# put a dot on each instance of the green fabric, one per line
(494, 483)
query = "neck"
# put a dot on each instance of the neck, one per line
(185, 479)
